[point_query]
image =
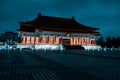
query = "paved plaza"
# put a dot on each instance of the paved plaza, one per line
(57, 65)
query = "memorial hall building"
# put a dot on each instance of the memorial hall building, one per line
(54, 32)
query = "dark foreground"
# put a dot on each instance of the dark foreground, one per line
(57, 65)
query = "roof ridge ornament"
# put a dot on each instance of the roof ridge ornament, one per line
(39, 14)
(73, 18)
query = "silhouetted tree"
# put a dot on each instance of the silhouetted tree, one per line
(108, 42)
(101, 42)
(116, 42)
(18, 39)
(113, 41)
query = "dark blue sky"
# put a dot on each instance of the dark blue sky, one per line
(104, 14)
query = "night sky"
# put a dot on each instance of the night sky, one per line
(104, 14)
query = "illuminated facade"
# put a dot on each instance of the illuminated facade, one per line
(46, 30)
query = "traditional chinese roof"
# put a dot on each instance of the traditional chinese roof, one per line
(49, 23)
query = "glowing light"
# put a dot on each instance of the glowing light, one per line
(44, 46)
(92, 47)
(11, 47)
(61, 47)
(49, 47)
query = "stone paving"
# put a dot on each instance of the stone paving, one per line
(18, 66)
(105, 67)
(27, 65)
(25, 72)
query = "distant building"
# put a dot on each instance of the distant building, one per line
(9, 38)
(46, 30)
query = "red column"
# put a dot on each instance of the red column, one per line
(94, 42)
(85, 40)
(44, 40)
(34, 40)
(79, 41)
(21, 40)
(60, 40)
(25, 40)
(40, 40)
(30, 40)
(71, 41)
(90, 41)
(47, 40)
(76, 41)
(53, 40)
